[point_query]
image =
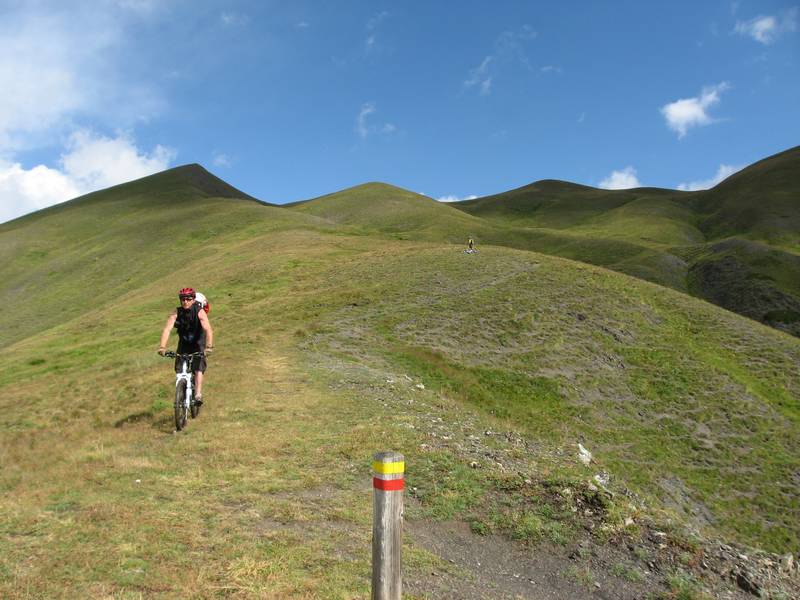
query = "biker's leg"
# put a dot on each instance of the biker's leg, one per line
(198, 384)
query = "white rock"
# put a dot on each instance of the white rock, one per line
(420, 386)
(584, 455)
(602, 479)
(787, 562)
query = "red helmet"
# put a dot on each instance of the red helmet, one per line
(187, 292)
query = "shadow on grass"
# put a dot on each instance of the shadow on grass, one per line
(134, 418)
(163, 423)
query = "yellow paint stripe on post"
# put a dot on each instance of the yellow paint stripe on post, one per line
(389, 468)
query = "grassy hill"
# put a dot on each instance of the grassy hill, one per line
(759, 202)
(735, 245)
(552, 204)
(379, 207)
(385, 209)
(116, 240)
(336, 339)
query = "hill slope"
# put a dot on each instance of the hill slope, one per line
(735, 245)
(101, 247)
(322, 336)
(759, 202)
(385, 208)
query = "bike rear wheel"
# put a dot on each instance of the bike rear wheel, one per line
(180, 405)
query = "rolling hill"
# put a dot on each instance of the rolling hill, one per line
(735, 245)
(117, 240)
(347, 325)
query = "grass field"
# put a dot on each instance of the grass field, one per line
(335, 341)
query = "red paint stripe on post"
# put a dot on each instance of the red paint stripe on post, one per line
(388, 485)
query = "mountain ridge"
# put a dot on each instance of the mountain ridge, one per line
(168, 185)
(669, 237)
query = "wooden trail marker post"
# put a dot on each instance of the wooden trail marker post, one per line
(388, 471)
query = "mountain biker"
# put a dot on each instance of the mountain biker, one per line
(194, 335)
(471, 244)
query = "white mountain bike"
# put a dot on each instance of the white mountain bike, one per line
(184, 389)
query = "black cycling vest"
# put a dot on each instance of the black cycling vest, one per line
(190, 331)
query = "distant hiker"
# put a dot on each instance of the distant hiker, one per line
(194, 335)
(471, 244)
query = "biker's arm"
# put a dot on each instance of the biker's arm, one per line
(206, 325)
(167, 329)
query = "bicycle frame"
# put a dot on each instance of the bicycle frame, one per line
(184, 375)
(187, 376)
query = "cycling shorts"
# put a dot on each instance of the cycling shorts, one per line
(199, 363)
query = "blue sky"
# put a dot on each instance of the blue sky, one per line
(292, 100)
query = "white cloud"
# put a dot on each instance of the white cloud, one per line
(509, 48)
(361, 121)
(761, 29)
(234, 19)
(452, 198)
(621, 180)
(479, 76)
(43, 67)
(372, 26)
(766, 29)
(62, 63)
(364, 129)
(723, 172)
(692, 112)
(551, 69)
(373, 23)
(24, 191)
(96, 162)
(90, 163)
(222, 160)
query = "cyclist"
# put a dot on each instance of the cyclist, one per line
(194, 335)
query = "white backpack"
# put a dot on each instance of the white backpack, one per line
(201, 298)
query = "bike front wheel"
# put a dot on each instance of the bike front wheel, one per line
(194, 409)
(180, 405)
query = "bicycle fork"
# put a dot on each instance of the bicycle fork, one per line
(185, 376)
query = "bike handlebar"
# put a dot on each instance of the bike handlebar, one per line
(171, 354)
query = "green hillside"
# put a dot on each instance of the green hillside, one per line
(551, 204)
(759, 202)
(735, 245)
(386, 209)
(379, 207)
(116, 241)
(336, 339)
